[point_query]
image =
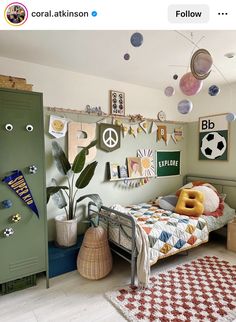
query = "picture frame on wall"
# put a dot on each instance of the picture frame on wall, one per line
(113, 171)
(168, 163)
(213, 137)
(117, 103)
(123, 171)
(134, 167)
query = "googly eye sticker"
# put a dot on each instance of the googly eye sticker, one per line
(29, 128)
(9, 127)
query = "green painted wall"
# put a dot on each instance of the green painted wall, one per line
(212, 168)
(116, 192)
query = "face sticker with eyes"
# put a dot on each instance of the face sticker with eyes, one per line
(29, 128)
(9, 127)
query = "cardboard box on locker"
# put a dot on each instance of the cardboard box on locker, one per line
(231, 235)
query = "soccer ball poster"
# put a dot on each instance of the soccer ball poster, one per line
(213, 137)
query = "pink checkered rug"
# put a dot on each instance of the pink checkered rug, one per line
(203, 290)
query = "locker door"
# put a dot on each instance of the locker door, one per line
(24, 253)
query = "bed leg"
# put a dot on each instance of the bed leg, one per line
(133, 265)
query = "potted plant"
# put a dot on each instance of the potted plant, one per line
(77, 176)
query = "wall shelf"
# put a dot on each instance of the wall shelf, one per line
(129, 178)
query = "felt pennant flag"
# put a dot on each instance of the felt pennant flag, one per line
(133, 130)
(162, 133)
(179, 133)
(18, 184)
(173, 137)
(153, 127)
(168, 138)
(125, 129)
(144, 126)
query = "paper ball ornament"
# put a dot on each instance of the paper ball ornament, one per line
(189, 85)
(136, 39)
(185, 106)
(201, 63)
(213, 90)
(230, 117)
(169, 91)
(126, 56)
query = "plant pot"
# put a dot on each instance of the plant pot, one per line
(66, 231)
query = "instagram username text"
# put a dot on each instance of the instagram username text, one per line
(60, 14)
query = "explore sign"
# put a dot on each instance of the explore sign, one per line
(168, 163)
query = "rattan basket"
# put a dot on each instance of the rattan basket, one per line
(94, 260)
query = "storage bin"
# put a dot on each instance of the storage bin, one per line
(63, 259)
(18, 284)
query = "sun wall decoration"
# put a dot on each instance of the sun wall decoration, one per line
(147, 162)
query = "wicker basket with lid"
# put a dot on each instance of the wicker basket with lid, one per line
(94, 260)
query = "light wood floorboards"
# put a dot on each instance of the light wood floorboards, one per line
(72, 298)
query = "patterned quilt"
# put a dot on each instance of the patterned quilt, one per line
(169, 232)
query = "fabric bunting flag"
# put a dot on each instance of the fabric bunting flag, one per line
(173, 137)
(133, 130)
(125, 129)
(144, 126)
(16, 181)
(162, 133)
(179, 133)
(168, 138)
(153, 127)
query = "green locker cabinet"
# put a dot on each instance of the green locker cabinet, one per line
(23, 253)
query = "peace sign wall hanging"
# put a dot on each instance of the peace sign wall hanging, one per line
(109, 136)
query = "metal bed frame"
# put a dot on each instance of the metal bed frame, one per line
(104, 214)
(111, 216)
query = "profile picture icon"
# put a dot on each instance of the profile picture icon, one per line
(16, 14)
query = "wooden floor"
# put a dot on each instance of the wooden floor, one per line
(73, 298)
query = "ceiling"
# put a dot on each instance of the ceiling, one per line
(100, 53)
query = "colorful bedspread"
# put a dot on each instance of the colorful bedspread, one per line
(169, 232)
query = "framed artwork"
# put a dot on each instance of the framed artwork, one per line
(134, 167)
(117, 103)
(213, 137)
(147, 162)
(168, 163)
(113, 169)
(123, 172)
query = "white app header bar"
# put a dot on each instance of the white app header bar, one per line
(117, 15)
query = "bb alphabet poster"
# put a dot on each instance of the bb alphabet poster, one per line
(213, 137)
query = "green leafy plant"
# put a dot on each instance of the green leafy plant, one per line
(77, 177)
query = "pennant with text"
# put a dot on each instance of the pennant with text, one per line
(16, 181)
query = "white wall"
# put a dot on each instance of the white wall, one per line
(204, 104)
(67, 89)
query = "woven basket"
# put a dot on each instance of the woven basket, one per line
(94, 260)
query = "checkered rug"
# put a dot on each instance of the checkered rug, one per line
(203, 290)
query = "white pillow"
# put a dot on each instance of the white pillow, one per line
(211, 199)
